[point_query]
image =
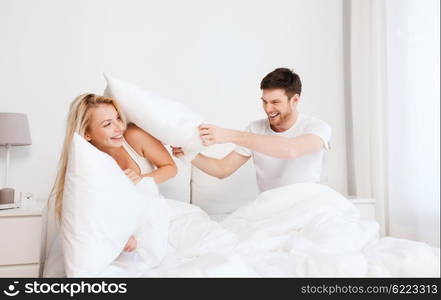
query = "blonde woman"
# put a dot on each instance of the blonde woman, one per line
(101, 121)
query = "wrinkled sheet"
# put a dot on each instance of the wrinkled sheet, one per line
(300, 230)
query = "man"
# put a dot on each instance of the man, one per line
(287, 147)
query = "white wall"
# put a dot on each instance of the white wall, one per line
(209, 54)
(413, 42)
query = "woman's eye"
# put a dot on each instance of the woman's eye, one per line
(107, 125)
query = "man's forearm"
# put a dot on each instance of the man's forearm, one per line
(211, 166)
(275, 146)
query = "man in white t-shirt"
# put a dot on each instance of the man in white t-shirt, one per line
(287, 147)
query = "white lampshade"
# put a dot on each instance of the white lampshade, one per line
(14, 129)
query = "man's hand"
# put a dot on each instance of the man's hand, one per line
(131, 244)
(132, 175)
(211, 134)
(177, 151)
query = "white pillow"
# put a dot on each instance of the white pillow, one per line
(167, 120)
(178, 187)
(102, 208)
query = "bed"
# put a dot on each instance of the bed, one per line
(223, 228)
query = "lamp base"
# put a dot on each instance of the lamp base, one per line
(9, 198)
(7, 206)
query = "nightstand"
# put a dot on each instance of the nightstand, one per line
(21, 236)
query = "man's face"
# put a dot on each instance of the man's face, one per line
(277, 106)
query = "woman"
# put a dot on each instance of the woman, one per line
(101, 121)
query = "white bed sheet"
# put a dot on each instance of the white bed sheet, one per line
(218, 217)
(302, 230)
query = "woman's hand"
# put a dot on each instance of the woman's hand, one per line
(132, 175)
(177, 151)
(131, 244)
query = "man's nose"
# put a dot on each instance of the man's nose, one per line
(268, 108)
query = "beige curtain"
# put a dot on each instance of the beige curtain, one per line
(364, 27)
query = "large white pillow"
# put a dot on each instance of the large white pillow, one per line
(167, 120)
(102, 208)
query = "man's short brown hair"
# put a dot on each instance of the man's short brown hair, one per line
(282, 78)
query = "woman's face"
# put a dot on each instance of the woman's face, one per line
(105, 128)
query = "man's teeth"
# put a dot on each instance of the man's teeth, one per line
(273, 115)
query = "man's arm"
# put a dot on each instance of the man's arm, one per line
(220, 168)
(275, 146)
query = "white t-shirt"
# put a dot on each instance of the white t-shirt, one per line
(274, 172)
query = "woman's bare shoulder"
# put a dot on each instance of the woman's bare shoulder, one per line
(137, 137)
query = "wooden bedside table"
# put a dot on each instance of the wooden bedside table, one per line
(21, 236)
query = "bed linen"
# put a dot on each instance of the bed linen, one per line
(300, 230)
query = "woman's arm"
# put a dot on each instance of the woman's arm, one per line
(154, 151)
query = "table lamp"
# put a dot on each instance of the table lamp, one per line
(14, 131)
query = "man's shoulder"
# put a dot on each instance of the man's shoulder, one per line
(316, 126)
(313, 121)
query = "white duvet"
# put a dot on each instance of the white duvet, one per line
(300, 230)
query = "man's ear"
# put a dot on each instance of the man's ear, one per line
(295, 98)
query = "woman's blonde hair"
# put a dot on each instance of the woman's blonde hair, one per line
(78, 121)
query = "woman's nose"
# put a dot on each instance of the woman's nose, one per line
(119, 127)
